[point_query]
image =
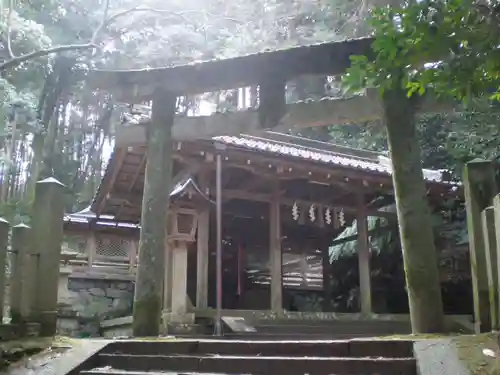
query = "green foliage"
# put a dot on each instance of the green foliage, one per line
(458, 40)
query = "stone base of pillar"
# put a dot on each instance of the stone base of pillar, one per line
(63, 292)
(170, 317)
(48, 323)
(178, 324)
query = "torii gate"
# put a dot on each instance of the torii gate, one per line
(270, 71)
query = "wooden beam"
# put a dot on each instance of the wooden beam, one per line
(134, 200)
(191, 169)
(357, 110)
(120, 157)
(137, 173)
(134, 181)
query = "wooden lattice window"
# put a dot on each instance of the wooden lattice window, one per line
(112, 246)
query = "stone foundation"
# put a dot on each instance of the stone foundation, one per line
(85, 302)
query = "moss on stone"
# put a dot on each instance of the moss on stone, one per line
(16, 350)
(470, 351)
(147, 315)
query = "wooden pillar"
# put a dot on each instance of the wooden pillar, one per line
(155, 202)
(364, 258)
(202, 259)
(46, 237)
(91, 248)
(202, 246)
(479, 186)
(496, 214)
(132, 254)
(167, 278)
(179, 281)
(327, 294)
(490, 243)
(275, 255)
(20, 276)
(4, 239)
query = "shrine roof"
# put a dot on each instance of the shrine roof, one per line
(124, 176)
(87, 216)
(279, 144)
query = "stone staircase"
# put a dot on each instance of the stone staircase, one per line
(362, 357)
(299, 329)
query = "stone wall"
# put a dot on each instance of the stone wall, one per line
(85, 302)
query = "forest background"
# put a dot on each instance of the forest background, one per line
(52, 125)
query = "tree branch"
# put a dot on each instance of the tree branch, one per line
(8, 31)
(14, 61)
(44, 52)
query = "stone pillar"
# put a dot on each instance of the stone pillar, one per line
(275, 256)
(179, 281)
(46, 237)
(155, 201)
(4, 238)
(496, 214)
(490, 244)
(414, 217)
(364, 259)
(21, 277)
(480, 187)
(202, 259)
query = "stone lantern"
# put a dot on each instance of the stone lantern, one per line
(181, 230)
(182, 225)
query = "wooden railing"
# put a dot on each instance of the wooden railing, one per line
(100, 252)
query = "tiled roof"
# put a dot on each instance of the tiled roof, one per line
(321, 152)
(87, 215)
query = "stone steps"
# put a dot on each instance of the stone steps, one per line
(362, 357)
(344, 328)
(256, 365)
(316, 329)
(325, 348)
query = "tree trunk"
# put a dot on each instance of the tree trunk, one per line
(151, 268)
(415, 227)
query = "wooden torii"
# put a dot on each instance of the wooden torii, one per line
(270, 71)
